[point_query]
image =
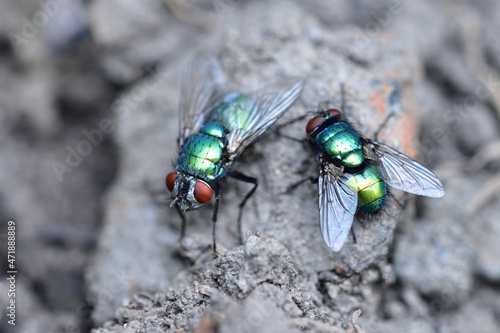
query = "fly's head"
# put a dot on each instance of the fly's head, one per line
(319, 121)
(188, 192)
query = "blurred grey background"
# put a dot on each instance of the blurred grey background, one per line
(88, 99)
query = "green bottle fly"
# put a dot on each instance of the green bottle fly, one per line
(355, 172)
(216, 126)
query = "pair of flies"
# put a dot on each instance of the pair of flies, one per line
(217, 125)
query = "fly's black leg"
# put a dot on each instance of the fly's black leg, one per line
(328, 104)
(291, 121)
(342, 97)
(214, 216)
(292, 138)
(247, 179)
(294, 186)
(184, 221)
(394, 105)
(401, 206)
(384, 123)
(354, 236)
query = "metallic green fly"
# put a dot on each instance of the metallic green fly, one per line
(216, 126)
(355, 172)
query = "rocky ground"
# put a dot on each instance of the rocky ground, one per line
(89, 125)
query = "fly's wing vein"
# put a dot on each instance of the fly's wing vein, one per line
(403, 173)
(337, 205)
(201, 83)
(268, 107)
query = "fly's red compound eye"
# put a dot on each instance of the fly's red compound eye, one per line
(202, 192)
(171, 177)
(314, 123)
(334, 112)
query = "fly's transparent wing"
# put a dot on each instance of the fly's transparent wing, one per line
(268, 107)
(403, 173)
(201, 82)
(337, 205)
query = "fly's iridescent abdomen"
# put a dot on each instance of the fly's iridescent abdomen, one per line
(371, 189)
(234, 111)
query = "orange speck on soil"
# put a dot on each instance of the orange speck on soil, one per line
(377, 102)
(406, 130)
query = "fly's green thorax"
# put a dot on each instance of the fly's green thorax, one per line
(214, 128)
(372, 190)
(339, 141)
(202, 156)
